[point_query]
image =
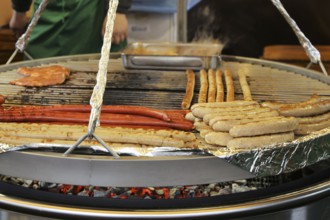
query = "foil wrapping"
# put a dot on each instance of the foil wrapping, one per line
(23, 40)
(313, 54)
(6, 147)
(284, 158)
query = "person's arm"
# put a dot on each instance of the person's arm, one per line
(120, 29)
(19, 20)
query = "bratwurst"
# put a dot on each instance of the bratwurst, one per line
(270, 126)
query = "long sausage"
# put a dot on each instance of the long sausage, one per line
(218, 138)
(200, 112)
(245, 86)
(306, 109)
(304, 129)
(248, 143)
(190, 86)
(202, 96)
(236, 103)
(119, 109)
(219, 86)
(212, 86)
(109, 119)
(314, 119)
(264, 127)
(229, 86)
(255, 113)
(277, 105)
(226, 125)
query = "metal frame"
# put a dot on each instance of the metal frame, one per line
(299, 199)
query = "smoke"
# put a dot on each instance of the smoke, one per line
(215, 26)
(204, 32)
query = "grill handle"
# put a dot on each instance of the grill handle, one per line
(80, 140)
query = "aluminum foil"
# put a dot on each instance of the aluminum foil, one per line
(284, 158)
(5, 147)
(23, 40)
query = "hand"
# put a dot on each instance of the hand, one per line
(120, 28)
(18, 23)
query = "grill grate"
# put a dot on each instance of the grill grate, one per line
(158, 89)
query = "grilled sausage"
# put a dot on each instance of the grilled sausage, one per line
(202, 96)
(212, 86)
(314, 119)
(226, 125)
(251, 113)
(229, 86)
(304, 129)
(200, 112)
(264, 127)
(219, 85)
(245, 86)
(308, 109)
(190, 86)
(248, 143)
(224, 104)
(277, 105)
(218, 138)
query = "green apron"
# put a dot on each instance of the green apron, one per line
(69, 27)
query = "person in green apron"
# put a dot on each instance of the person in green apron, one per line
(69, 27)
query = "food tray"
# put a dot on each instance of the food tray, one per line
(171, 56)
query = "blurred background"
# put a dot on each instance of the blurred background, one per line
(252, 28)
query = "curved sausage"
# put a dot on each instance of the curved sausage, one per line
(190, 86)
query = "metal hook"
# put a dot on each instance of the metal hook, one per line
(14, 55)
(81, 139)
(99, 88)
(324, 70)
(313, 54)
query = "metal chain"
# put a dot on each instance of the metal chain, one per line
(313, 54)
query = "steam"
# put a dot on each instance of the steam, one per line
(204, 33)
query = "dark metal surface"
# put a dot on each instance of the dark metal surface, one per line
(161, 89)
